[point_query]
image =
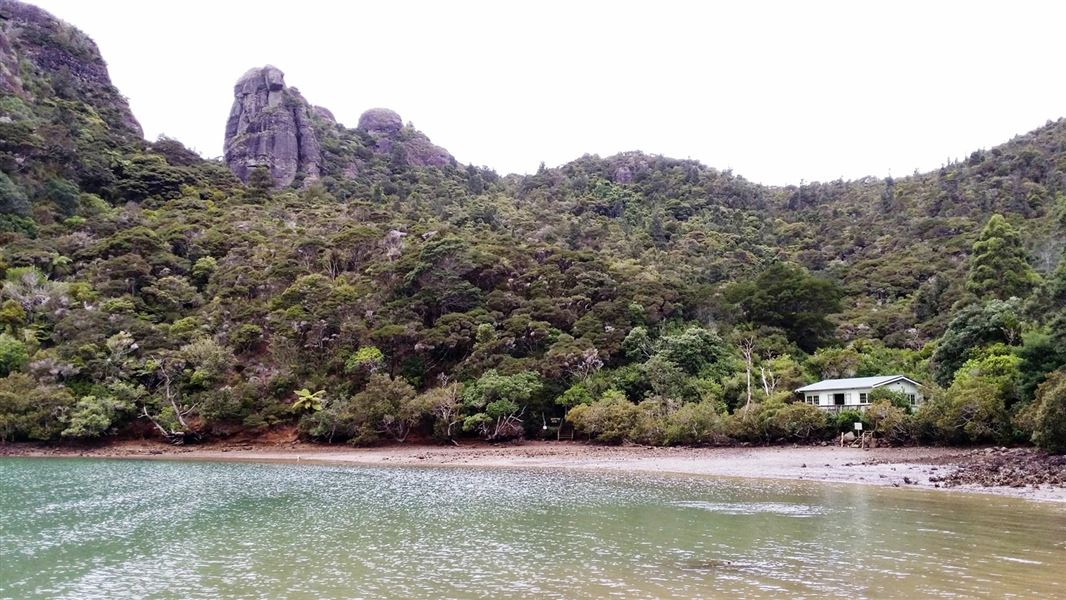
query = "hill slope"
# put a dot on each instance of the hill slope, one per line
(150, 290)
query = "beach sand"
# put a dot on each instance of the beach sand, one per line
(1042, 477)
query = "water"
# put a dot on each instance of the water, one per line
(89, 529)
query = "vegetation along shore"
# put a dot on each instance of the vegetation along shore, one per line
(362, 285)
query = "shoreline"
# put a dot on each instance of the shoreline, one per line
(917, 468)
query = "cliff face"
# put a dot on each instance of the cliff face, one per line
(41, 57)
(390, 137)
(270, 125)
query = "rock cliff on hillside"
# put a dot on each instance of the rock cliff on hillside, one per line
(390, 136)
(41, 56)
(270, 125)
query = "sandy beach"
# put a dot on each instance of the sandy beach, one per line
(985, 470)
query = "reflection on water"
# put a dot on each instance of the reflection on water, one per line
(123, 529)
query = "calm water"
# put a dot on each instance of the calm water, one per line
(125, 529)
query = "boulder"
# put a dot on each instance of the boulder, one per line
(386, 128)
(381, 121)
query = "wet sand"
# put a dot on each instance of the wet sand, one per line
(901, 467)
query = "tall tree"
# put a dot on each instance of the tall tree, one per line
(789, 297)
(999, 267)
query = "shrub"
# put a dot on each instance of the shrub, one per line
(94, 416)
(889, 422)
(611, 419)
(799, 422)
(894, 398)
(970, 412)
(30, 411)
(246, 336)
(1049, 427)
(694, 424)
(752, 423)
(844, 421)
(366, 358)
(386, 406)
(13, 354)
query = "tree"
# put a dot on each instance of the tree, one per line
(799, 422)
(695, 423)
(611, 419)
(1050, 418)
(445, 403)
(94, 416)
(29, 410)
(260, 183)
(385, 406)
(999, 266)
(13, 354)
(789, 297)
(975, 326)
(366, 358)
(306, 401)
(498, 401)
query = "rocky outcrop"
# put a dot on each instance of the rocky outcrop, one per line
(390, 137)
(49, 49)
(270, 125)
(381, 122)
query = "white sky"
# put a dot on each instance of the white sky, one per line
(777, 91)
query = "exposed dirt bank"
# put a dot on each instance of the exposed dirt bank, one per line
(1019, 472)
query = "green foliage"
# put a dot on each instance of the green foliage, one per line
(890, 422)
(93, 417)
(1000, 266)
(497, 403)
(975, 326)
(893, 398)
(308, 401)
(975, 408)
(386, 406)
(30, 410)
(611, 419)
(1049, 430)
(366, 358)
(13, 354)
(260, 183)
(598, 287)
(246, 336)
(788, 297)
(445, 404)
(12, 199)
(799, 422)
(695, 424)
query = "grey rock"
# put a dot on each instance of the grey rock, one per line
(392, 138)
(325, 113)
(270, 125)
(381, 121)
(30, 34)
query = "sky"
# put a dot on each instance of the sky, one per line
(779, 92)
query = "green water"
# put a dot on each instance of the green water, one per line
(126, 529)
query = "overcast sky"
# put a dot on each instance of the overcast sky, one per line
(777, 91)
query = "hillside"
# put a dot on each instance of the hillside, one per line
(363, 284)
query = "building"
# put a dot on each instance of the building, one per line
(835, 394)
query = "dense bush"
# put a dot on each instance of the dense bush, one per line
(1049, 426)
(645, 299)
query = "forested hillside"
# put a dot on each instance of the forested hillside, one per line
(392, 292)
